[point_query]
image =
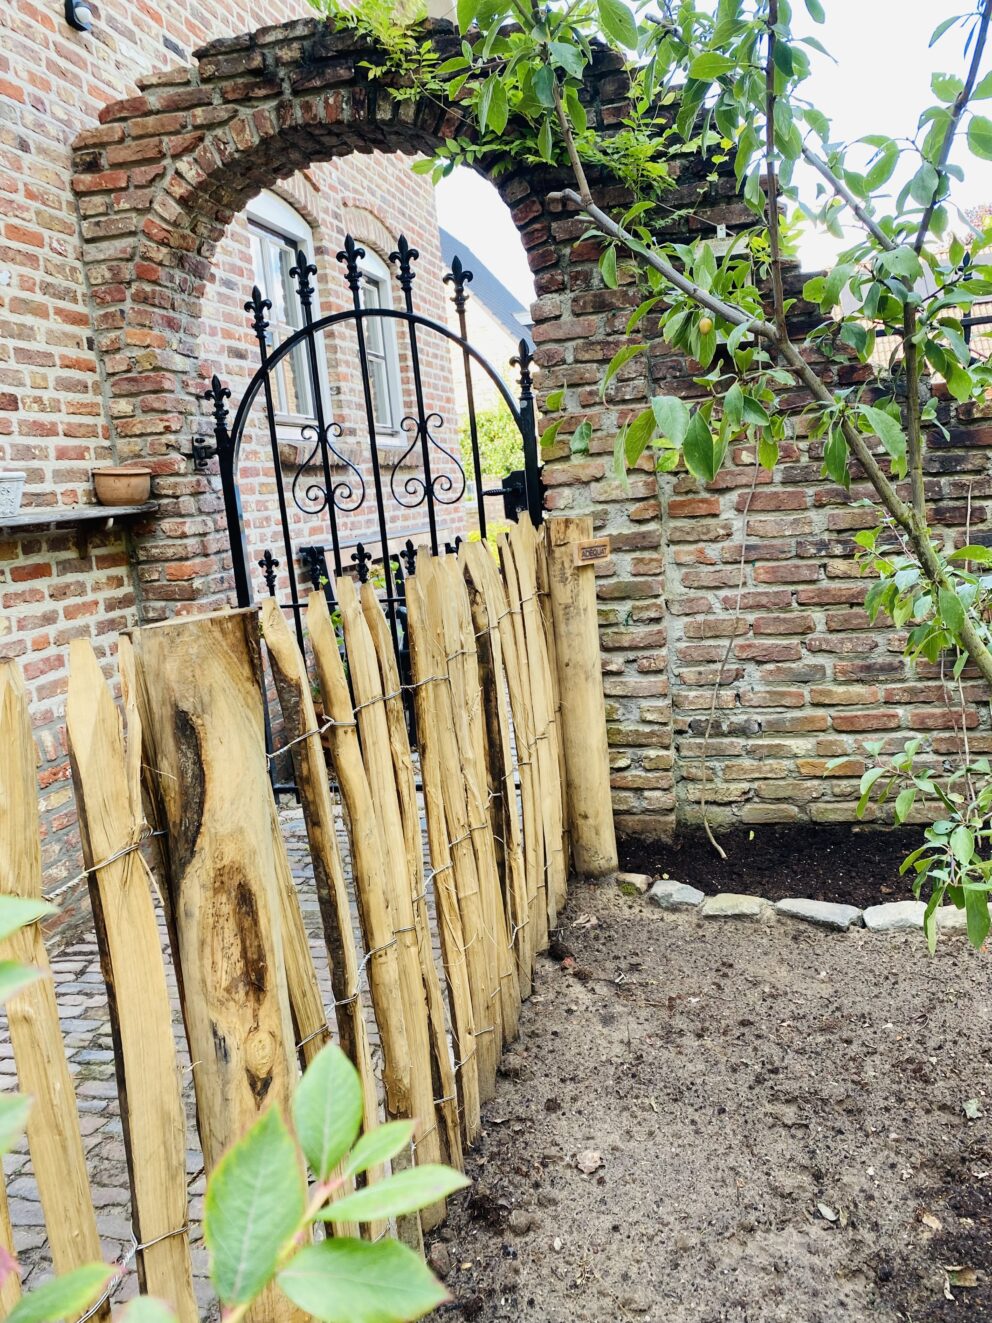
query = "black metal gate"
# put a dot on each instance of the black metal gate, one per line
(327, 486)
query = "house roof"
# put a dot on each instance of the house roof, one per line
(489, 289)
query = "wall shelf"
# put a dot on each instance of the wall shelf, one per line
(85, 519)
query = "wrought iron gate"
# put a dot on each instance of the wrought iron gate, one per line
(327, 486)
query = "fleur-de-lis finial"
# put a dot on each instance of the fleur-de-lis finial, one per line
(301, 273)
(202, 452)
(269, 566)
(459, 276)
(523, 359)
(351, 254)
(258, 307)
(404, 257)
(362, 559)
(408, 555)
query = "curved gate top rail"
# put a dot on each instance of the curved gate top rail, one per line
(334, 484)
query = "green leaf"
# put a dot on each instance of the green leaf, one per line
(981, 555)
(608, 267)
(815, 11)
(351, 1281)
(544, 141)
(703, 453)
(580, 438)
(880, 171)
(902, 262)
(980, 137)
(493, 109)
(403, 1193)
(672, 417)
(555, 400)
(618, 22)
(923, 185)
(889, 432)
(17, 912)
(733, 407)
(904, 803)
(255, 1203)
(544, 86)
(946, 86)
(569, 57)
(710, 65)
(941, 28)
(550, 434)
(976, 905)
(14, 1111)
(622, 356)
(835, 458)
(15, 977)
(378, 1146)
(146, 1309)
(983, 88)
(637, 434)
(962, 844)
(64, 1297)
(467, 11)
(951, 610)
(327, 1110)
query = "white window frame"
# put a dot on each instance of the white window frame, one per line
(373, 268)
(269, 212)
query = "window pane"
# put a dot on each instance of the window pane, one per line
(381, 400)
(293, 313)
(294, 369)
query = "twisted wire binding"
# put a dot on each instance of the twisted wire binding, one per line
(135, 1248)
(346, 1001)
(419, 684)
(104, 863)
(308, 734)
(379, 698)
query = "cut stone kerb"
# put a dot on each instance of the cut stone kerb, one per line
(160, 179)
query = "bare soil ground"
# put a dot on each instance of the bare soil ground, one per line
(707, 1121)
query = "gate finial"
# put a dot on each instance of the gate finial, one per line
(301, 273)
(404, 257)
(523, 359)
(258, 307)
(351, 254)
(459, 276)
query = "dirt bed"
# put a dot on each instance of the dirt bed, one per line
(778, 1114)
(859, 867)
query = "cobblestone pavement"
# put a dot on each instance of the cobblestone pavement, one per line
(86, 1033)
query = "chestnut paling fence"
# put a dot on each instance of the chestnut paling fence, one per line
(511, 780)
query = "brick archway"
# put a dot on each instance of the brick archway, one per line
(158, 182)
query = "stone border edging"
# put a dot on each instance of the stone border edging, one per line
(895, 916)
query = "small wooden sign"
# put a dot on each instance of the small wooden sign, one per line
(590, 550)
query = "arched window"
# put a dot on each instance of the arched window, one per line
(277, 233)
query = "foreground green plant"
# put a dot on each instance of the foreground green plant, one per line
(954, 861)
(261, 1211)
(726, 81)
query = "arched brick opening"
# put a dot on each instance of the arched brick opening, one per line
(158, 182)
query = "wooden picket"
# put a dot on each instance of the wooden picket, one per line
(495, 648)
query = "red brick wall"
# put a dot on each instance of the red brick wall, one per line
(55, 417)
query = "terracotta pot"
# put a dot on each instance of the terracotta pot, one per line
(124, 486)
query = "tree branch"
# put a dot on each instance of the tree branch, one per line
(845, 194)
(957, 110)
(771, 188)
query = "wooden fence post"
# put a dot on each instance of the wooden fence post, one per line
(370, 710)
(53, 1123)
(204, 738)
(10, 1283)
(406, 787)
(107, 779)
(299, 717)
(583, 724)
(427, 662)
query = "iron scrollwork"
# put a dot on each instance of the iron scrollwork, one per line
(444, 489)
(347, 493)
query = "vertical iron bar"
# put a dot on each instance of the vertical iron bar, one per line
(459, 278)
(350, 256)
(303, 271)
(258, 307)
(218, 394)
(404, 257)
(528, 428)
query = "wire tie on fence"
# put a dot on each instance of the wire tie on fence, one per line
(378, 698)
(410, 928)
(460, 652)
(479, 826)
(325, 1028)
(104, 863)
(124, 1264)
(426, 1135)
(458, 839)
(448, 1097)
(489, 1029)
(419, 684)
(307, 734)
